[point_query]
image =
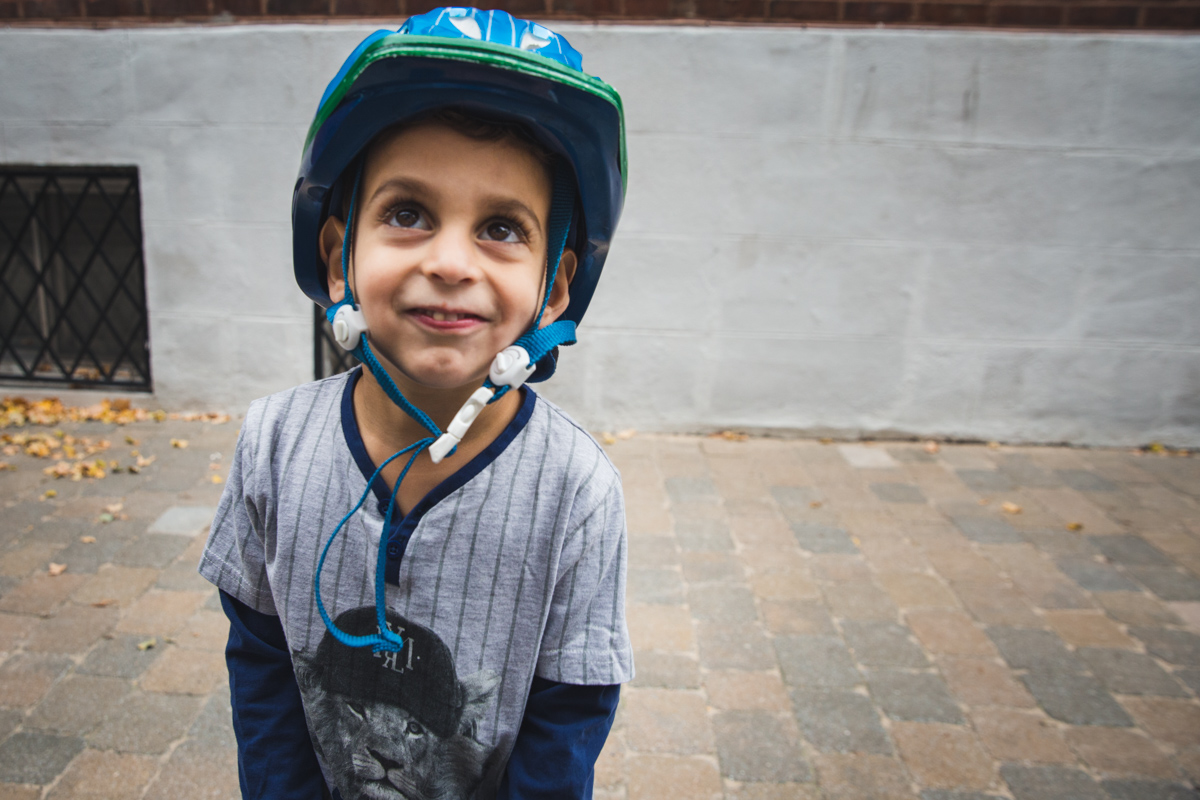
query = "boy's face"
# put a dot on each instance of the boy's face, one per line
(449, 254)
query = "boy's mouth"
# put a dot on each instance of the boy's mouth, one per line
(444, 319)
(448, 316)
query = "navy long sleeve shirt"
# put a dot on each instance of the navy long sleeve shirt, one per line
(560, 738)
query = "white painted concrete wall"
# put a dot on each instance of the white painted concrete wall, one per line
(990, 235)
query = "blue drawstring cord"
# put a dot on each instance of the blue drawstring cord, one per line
(385, 639)
(538, 342)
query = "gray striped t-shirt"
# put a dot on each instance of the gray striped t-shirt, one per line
(513, 567)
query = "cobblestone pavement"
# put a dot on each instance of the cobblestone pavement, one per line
(811, 621)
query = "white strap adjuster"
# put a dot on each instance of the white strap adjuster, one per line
(511, 368)
(349, 325)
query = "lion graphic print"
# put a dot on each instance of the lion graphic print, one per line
(395, 726)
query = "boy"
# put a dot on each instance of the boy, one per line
(460, 631)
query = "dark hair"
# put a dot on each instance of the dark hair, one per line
(486, 130)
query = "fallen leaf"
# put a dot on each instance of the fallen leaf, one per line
(56, 569)
(105, 518)
(88, 539)
(1011, 507)
(5, 466)
(62, 469)
(145, 461)
(217, 479)
(730, 436)
(132, 442)
(108, 601)
(133, 468)
(994, 445)
(1074, 526)
(168, 640)
(815, 504)
(114, 508)
(146, 645)
(826, 440)
(932, 447)
(49, 493)
(180, 444)
(608, 438)
(214, 466)
(628, 433)
(856, 540)
(1156, 447)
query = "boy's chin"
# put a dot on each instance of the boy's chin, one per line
(448, 378)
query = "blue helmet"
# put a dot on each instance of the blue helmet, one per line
(485, 63)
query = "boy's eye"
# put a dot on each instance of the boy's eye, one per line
(408, 218)
(502, 232)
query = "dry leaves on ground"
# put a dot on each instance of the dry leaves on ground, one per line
(18, 412)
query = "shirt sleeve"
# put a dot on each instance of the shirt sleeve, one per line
(561, 736)
(586, 640)
(276, 760)
(234, 558)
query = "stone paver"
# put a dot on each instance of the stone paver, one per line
(809, 622)
(1120, 751)
(1077, 699)
(105, 775)
(943, 756)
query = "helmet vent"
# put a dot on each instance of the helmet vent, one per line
(467, 26)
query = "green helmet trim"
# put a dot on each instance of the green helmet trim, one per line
(476, 52)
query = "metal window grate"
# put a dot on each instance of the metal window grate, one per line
(72, 281)
(328, 356)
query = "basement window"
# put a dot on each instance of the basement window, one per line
(72, 278)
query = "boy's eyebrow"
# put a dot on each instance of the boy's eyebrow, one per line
(499, 203)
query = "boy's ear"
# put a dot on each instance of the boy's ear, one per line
(560, 295)
(329, 245)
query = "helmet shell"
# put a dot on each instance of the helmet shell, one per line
(485, 63)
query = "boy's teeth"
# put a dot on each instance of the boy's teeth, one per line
(444, 316)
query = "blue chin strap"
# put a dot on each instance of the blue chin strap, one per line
(511, 368)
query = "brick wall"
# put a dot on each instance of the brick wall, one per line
(1031, 14)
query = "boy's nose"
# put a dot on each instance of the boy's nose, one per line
(451, 257)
